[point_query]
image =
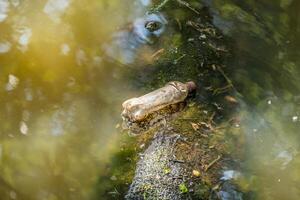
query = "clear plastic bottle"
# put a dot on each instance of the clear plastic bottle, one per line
(137, 109)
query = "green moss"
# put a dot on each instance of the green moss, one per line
(167, 170)
(183, 189)
(202, 191)
(120, 172)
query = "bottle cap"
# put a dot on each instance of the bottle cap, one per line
(191, 86)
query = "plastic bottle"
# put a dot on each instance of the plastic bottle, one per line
(137, 109)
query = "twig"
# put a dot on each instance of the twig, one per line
(217, 48)
(212, 163)
(211, 118)
(159, 6)
(179, 24)
(186, 4)
(115, 192)
(203, 135)
(190, 118)
(176, 61)
(225, 76)
(198, 28)
(207, 125)
(158, 52)
(178, 161)
(222, 90)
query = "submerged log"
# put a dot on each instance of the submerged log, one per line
(166, 168)
(162, 174)
(159, 174)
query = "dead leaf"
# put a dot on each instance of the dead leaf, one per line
(195, 126)
(196, 173)
(231, 99)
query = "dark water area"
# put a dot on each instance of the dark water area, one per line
(66, 66)
(265, 72)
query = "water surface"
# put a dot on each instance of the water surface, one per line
(64, 74)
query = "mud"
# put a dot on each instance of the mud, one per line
(159, 173)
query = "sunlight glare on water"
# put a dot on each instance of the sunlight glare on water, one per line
(4, 7)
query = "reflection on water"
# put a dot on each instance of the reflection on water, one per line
(126, 43)
(5, 47)
(24, 38)
(61, 93)
(56, 8)
(4, 7)
(12, 82)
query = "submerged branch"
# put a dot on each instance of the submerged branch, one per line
(186, 4)
(158, 7)
(212, 163)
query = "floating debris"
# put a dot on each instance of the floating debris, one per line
(152, 26)
(137, 109)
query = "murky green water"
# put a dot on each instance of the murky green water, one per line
(266, 74)
(66, 66)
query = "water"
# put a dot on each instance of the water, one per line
(66, 66)
(60, 99)
(266, 75)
